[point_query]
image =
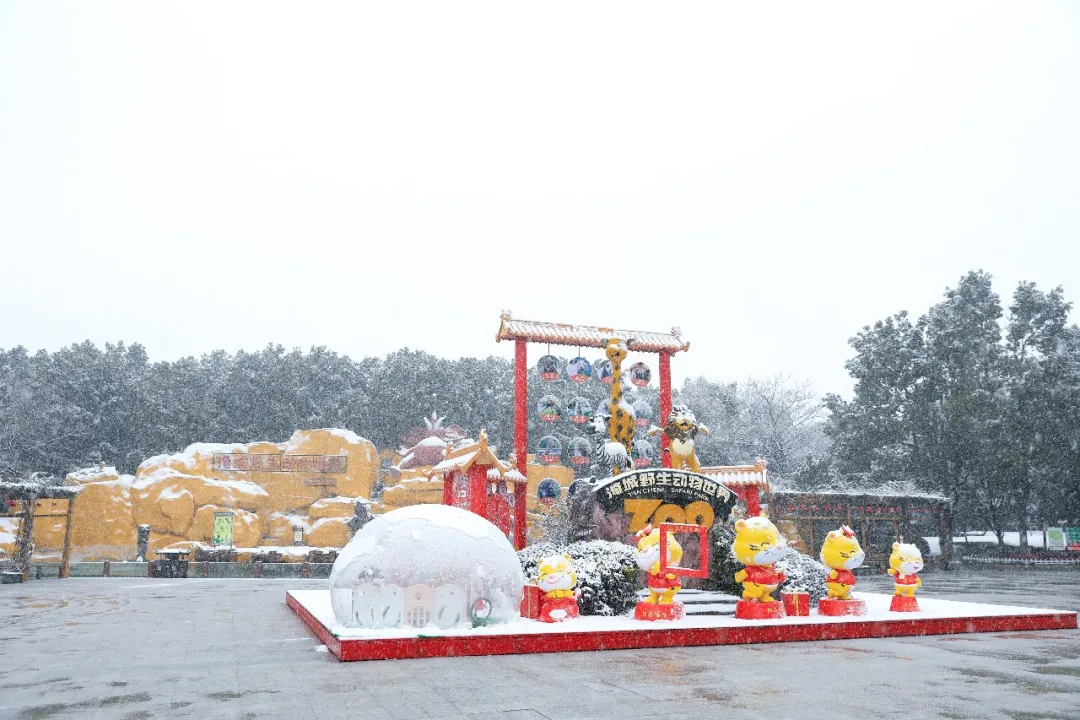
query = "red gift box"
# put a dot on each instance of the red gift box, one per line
(530, 603)
(796, 604)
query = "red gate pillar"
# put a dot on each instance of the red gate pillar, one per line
(521, 406)
(753, 502)
(520, 499)
(665, 406)
(478, 486)
(521, 438)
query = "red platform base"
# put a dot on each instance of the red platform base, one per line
(557, 610)
(903, 603)
(939, 617)
(658, 611)
(838, 608)
(750, 610)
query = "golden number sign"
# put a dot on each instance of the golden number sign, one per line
(643, 512)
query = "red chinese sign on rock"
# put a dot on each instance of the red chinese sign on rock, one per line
(277, 462)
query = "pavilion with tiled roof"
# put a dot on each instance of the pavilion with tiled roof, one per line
(475, 479)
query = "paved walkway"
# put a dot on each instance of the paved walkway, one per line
(136, 648)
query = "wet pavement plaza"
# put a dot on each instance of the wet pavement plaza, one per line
(142, 648)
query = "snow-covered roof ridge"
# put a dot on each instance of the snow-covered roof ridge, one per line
(587, 335)
(884, 490)
(756, 475)
(467, 454)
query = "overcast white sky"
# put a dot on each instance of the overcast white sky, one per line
(370, 176)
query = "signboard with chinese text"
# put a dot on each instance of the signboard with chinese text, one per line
(659, 495)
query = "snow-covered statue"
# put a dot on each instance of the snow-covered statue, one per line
(758, 546)
(557, 580)
(841, 553)
(662, 586)
(426, 565)
(607, 454)
(682, 428)
(904, 565)
(661, 581)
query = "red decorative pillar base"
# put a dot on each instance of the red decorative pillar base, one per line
(754, 610)
(659, 611)
(837, 608)
(903, 603)
(558, 609)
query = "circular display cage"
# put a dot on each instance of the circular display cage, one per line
(549, 450)
(426, 565)
(579, 411)
(548, 367)
(643, 453)
(643, 414)
(580, 450)
(640, 374)
(549, 408)
(604, 370)
(579, 369)
(548, 492)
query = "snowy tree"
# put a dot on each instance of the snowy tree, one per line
(775, 418)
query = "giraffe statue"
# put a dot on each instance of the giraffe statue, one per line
(621, 425)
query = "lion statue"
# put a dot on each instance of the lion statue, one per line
(681, 428)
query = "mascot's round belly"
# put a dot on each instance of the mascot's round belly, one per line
(683, 447)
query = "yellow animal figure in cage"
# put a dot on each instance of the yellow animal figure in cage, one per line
(662, 585)
(841, 553)
(904, 564)
(556, 577)
(757, 546)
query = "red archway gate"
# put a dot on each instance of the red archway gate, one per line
(523, 332)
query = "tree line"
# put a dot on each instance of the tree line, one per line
(964, 401)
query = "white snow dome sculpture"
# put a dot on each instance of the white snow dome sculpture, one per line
(426, 565)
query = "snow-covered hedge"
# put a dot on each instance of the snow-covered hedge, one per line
(606, 571)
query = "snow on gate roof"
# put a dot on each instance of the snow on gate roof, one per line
(587, 335)
(466, 455)
(735, 476)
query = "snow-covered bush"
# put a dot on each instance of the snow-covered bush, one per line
(606, 571)
(803, 573)
(722, 564)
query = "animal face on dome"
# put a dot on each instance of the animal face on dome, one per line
(906, 559)
(556, 573)
(757, 542)
(841, 550)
